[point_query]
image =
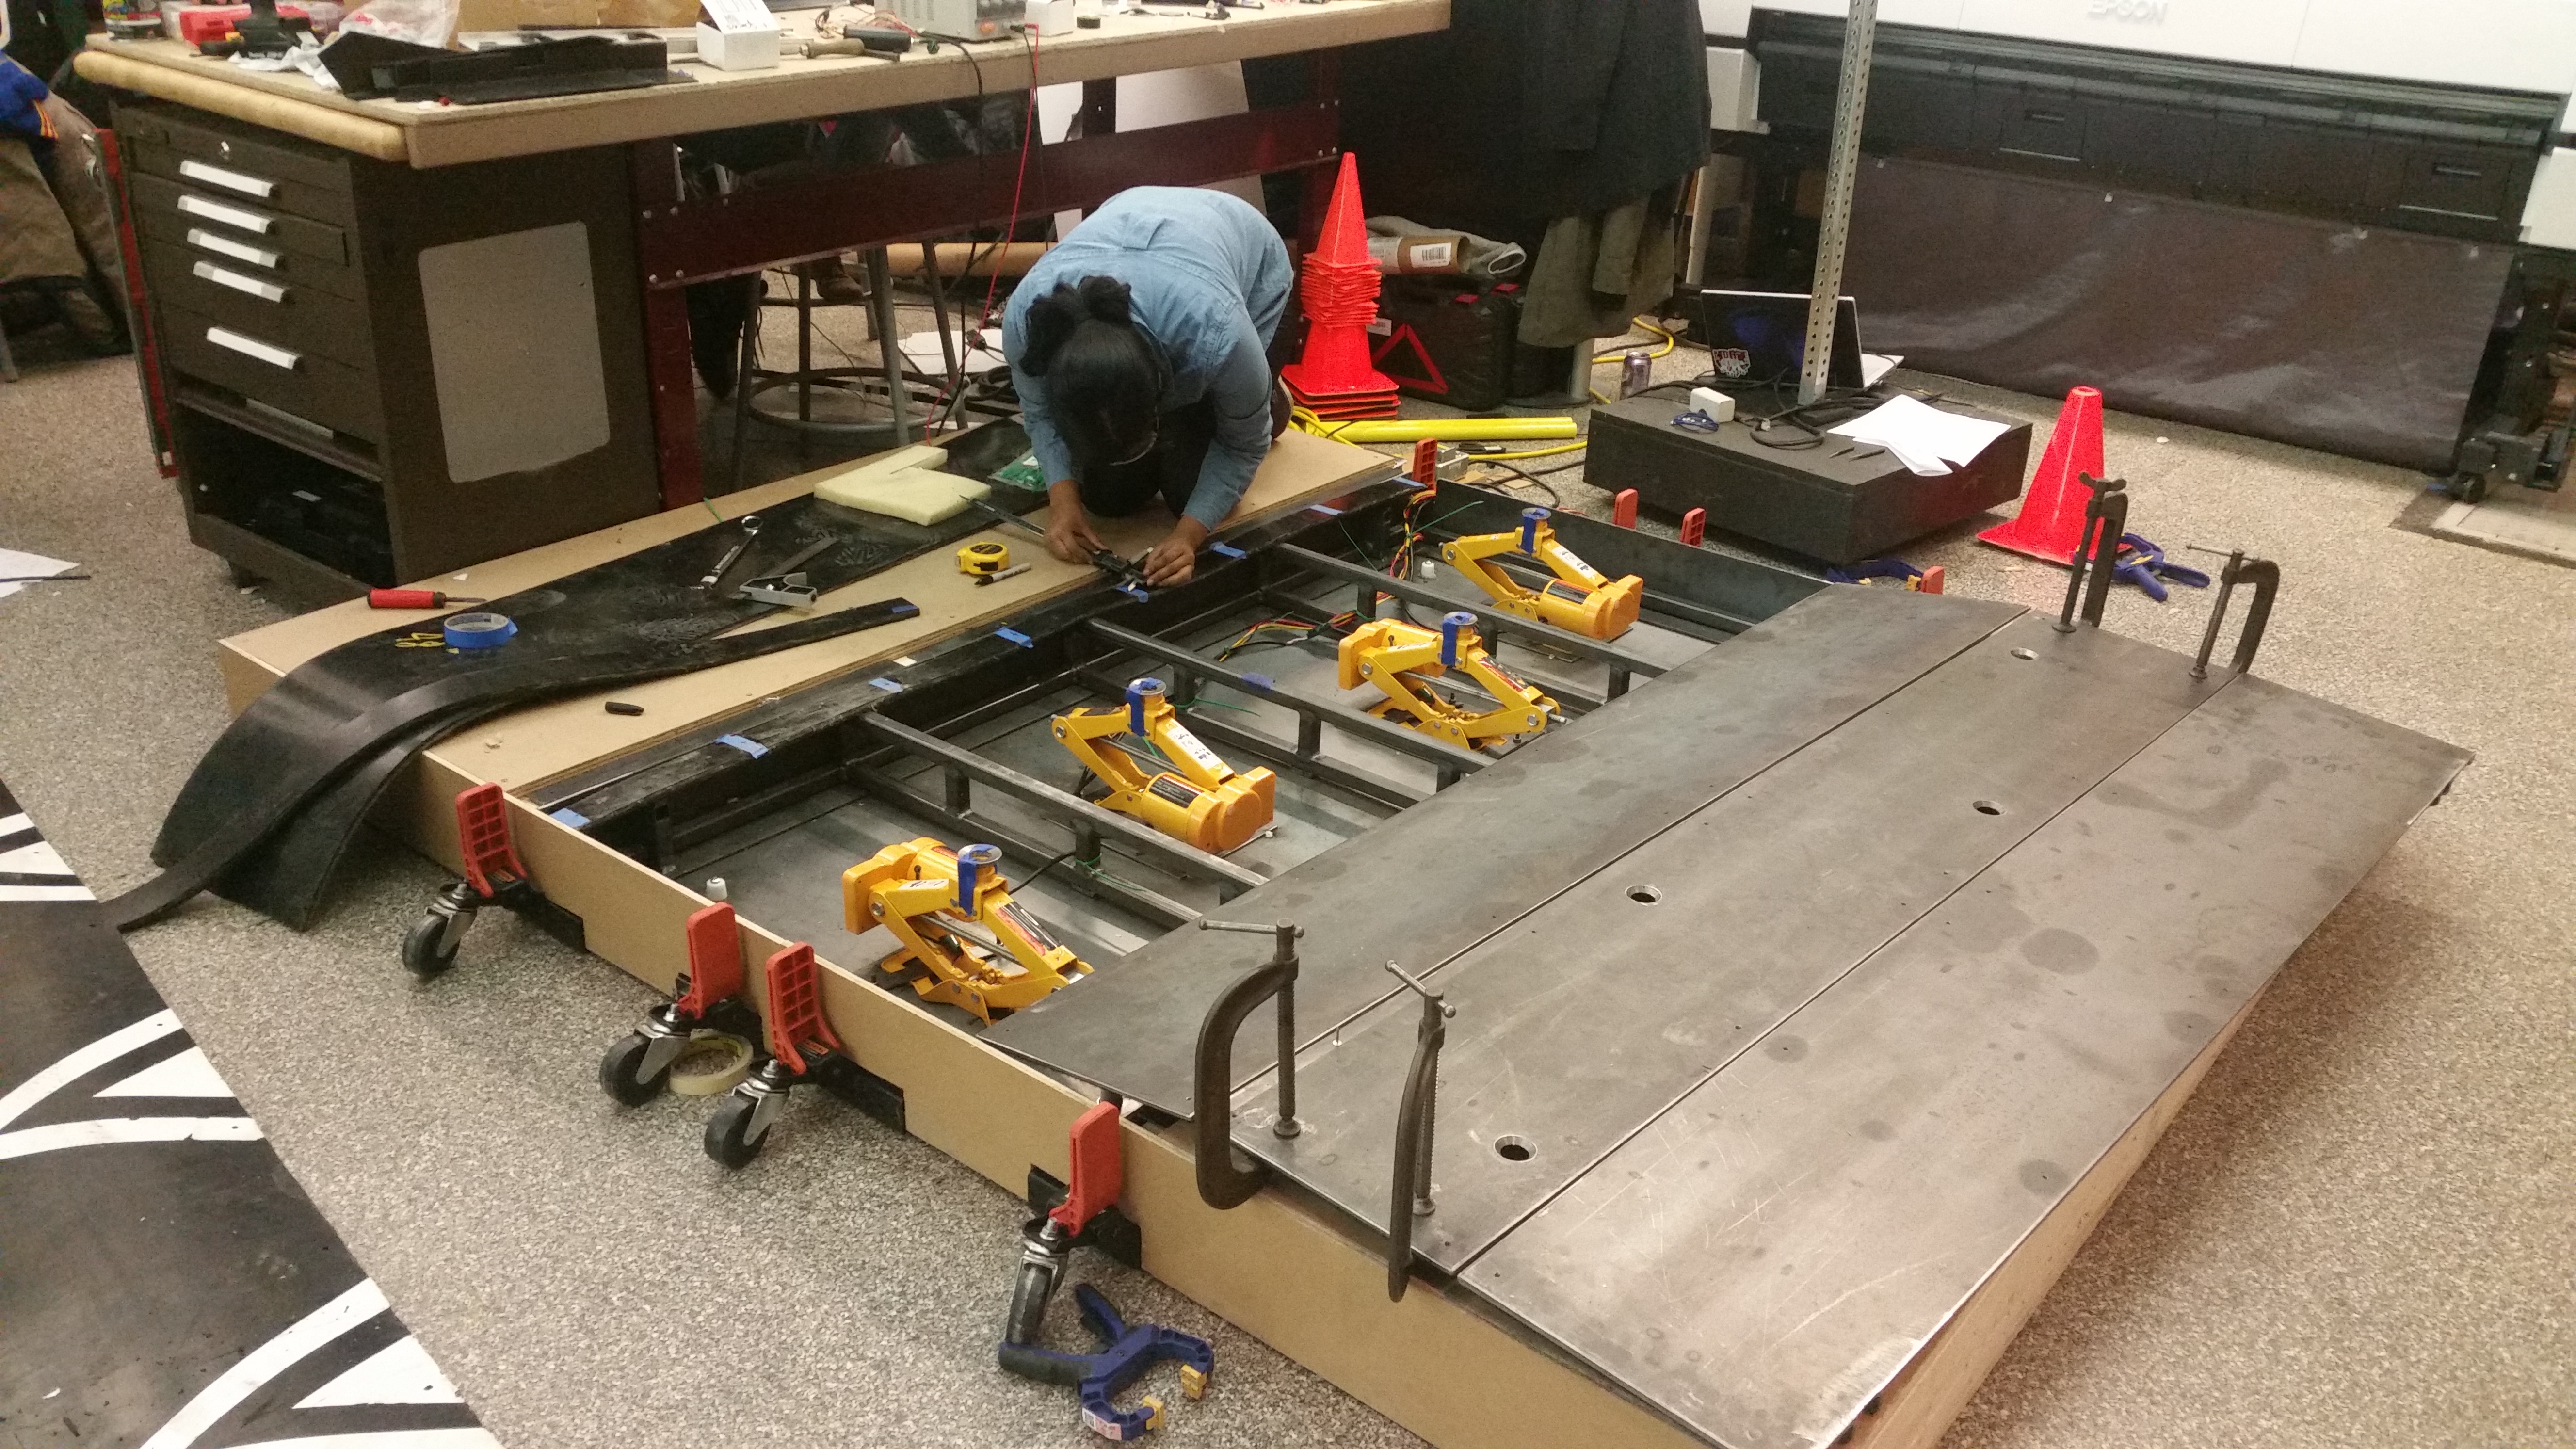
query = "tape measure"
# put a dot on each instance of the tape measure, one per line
(478, 630)
(987, 557)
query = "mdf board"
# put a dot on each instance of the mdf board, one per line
(530, 747)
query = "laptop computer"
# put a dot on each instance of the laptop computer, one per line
(1759, 339)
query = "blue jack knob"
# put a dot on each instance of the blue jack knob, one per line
(1531, 518)
(972, 862)
(1139, 693)
(1450, 625)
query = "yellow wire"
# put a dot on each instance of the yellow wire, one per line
(1532, 453)
(1669, 341)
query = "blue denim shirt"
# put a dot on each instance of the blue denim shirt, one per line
(1209, 278)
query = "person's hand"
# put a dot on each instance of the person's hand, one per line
(1174, 559)
(1068, 533)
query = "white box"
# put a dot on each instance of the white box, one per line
(2549, 216)
(738, 49)
(1734, 90)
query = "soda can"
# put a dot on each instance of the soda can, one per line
(1636, 370)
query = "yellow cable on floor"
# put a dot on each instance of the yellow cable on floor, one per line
(1670, 341)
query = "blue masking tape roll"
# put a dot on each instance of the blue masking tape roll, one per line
(478, 630)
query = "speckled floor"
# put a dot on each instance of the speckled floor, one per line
(2358, 1233)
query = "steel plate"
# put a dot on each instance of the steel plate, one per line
(1594, 1013)
(1763, 1257)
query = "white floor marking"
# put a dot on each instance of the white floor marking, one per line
(188, 1074)
(37, 859)
(475, 1438)
(100, 1131)
(399, 1373)
(12, 824)
(85, 1060)
(266, 1362)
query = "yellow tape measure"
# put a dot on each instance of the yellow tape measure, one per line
(983, 558)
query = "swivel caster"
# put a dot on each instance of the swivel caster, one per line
(638, 1067)
(740, 1127)
(429, 947)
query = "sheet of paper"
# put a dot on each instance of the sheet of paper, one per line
(1926, 439)
(17, 565)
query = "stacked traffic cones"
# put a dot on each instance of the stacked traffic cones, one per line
(2052, 514)
(1334, 379)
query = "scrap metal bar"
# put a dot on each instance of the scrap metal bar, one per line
(1491, 618)
(1136, 836)
(1452, 760)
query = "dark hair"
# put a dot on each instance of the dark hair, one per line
(1104, 378)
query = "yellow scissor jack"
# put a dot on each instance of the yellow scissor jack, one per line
(1580, 599)
(1201, 801)
(1402, 659)
(953, 914)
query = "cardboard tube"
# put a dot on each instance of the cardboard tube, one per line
(1011, 259)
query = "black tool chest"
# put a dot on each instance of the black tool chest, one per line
(291, 333)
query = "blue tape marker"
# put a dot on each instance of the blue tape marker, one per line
(1325, 509)
(888, 685)
(753, 748)
(1016, 637)
(1135, 592)
(570, 816)
(1223, 549)
(1260, 682)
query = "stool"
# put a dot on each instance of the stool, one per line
(751, 382)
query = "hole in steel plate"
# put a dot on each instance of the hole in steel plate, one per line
(2025, 654)
(1644, 895)
(1989, 807)
(1513, 1149)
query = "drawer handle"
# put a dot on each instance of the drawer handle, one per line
(250, 221)
(238, 251)
(2457, 172)
(252, 347)
(224, 277)
(241, 181)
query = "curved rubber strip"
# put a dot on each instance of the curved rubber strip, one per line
(348, 745)
(284, 876)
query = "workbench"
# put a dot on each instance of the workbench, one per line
(345, 384)
(1773, 1110)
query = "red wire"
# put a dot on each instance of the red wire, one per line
(1028, 136)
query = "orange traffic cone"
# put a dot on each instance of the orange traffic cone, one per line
(2052, 513)
(1339, 289)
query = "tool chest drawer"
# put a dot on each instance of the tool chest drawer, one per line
(238, 218)
(168, 232)
(266, 170)
(297, 379)
(263, 303)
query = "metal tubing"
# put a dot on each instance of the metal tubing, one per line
(889, 345)
(1490, 619)
(1152, 905)
(1452, 760)
(959, 765)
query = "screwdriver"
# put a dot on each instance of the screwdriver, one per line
(414, 599)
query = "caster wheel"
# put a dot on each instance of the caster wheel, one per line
(1029, 1294)
(2470, 488)
(620, 1072)
(421, 955)
(729, 1139)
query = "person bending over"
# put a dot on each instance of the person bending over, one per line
(1140, 349)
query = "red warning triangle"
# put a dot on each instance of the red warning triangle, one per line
(1404, 333)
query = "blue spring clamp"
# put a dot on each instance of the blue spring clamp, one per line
(1126, 1352)
(2143, 563)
